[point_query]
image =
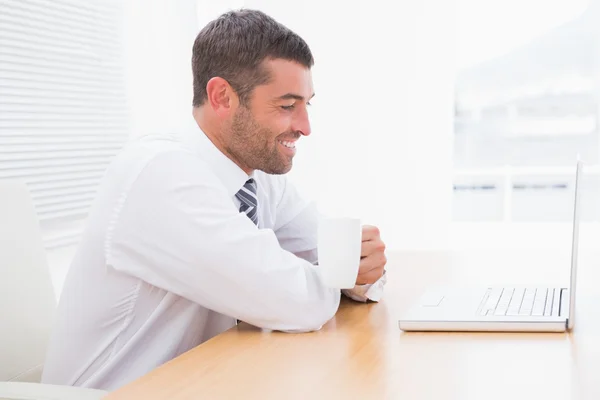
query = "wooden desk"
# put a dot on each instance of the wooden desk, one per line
(362, 354)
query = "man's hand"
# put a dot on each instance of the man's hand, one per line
(372, 256)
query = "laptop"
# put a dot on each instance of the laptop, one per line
(501, 308)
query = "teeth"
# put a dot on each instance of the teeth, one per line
(290, 145)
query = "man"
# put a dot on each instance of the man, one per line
(189, 235)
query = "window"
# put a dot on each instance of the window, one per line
(526, 105)
(63, 108)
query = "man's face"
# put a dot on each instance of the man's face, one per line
(263, 134)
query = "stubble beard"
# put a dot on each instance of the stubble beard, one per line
(256, 147)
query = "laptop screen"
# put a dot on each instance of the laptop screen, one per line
(575, 243)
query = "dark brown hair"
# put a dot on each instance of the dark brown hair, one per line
(233, 47)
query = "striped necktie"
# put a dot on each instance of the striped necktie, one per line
(247, 196)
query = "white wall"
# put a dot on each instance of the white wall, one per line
(159, 36)
(382, 115)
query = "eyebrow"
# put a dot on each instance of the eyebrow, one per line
(293, 96)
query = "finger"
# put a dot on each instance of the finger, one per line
(372, 246)
(377, 260)
(369, 232)
(370, 277)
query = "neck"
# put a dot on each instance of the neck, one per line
(213, 130)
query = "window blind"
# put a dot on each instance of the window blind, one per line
(63, 112)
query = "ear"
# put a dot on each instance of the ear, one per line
(221, 96)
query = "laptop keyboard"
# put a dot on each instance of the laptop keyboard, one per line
(518, 302)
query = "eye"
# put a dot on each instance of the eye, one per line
(288, 108)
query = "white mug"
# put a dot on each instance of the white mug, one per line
(339, 244)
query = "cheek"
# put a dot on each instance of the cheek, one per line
(277, 122)
(282, 124)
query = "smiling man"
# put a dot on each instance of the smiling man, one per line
(190, 234)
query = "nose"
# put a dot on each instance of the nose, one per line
(302, 122)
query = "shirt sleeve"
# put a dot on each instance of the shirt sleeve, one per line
(296, 230)
(177, 229)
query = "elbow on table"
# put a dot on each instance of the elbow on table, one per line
(311, 319)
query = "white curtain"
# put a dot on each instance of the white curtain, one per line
(62, 104)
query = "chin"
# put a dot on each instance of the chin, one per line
(286, 169)
(280, 168)
(278, 171)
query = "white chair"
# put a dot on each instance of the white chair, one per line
(27, 303)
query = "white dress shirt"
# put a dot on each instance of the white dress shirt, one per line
(167, 261)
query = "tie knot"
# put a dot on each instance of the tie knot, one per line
(247, 194)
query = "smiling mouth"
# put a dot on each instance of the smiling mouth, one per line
(289, 145)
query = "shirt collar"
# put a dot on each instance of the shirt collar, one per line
(232, 176)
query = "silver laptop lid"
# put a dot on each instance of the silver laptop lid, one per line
(575, 244)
